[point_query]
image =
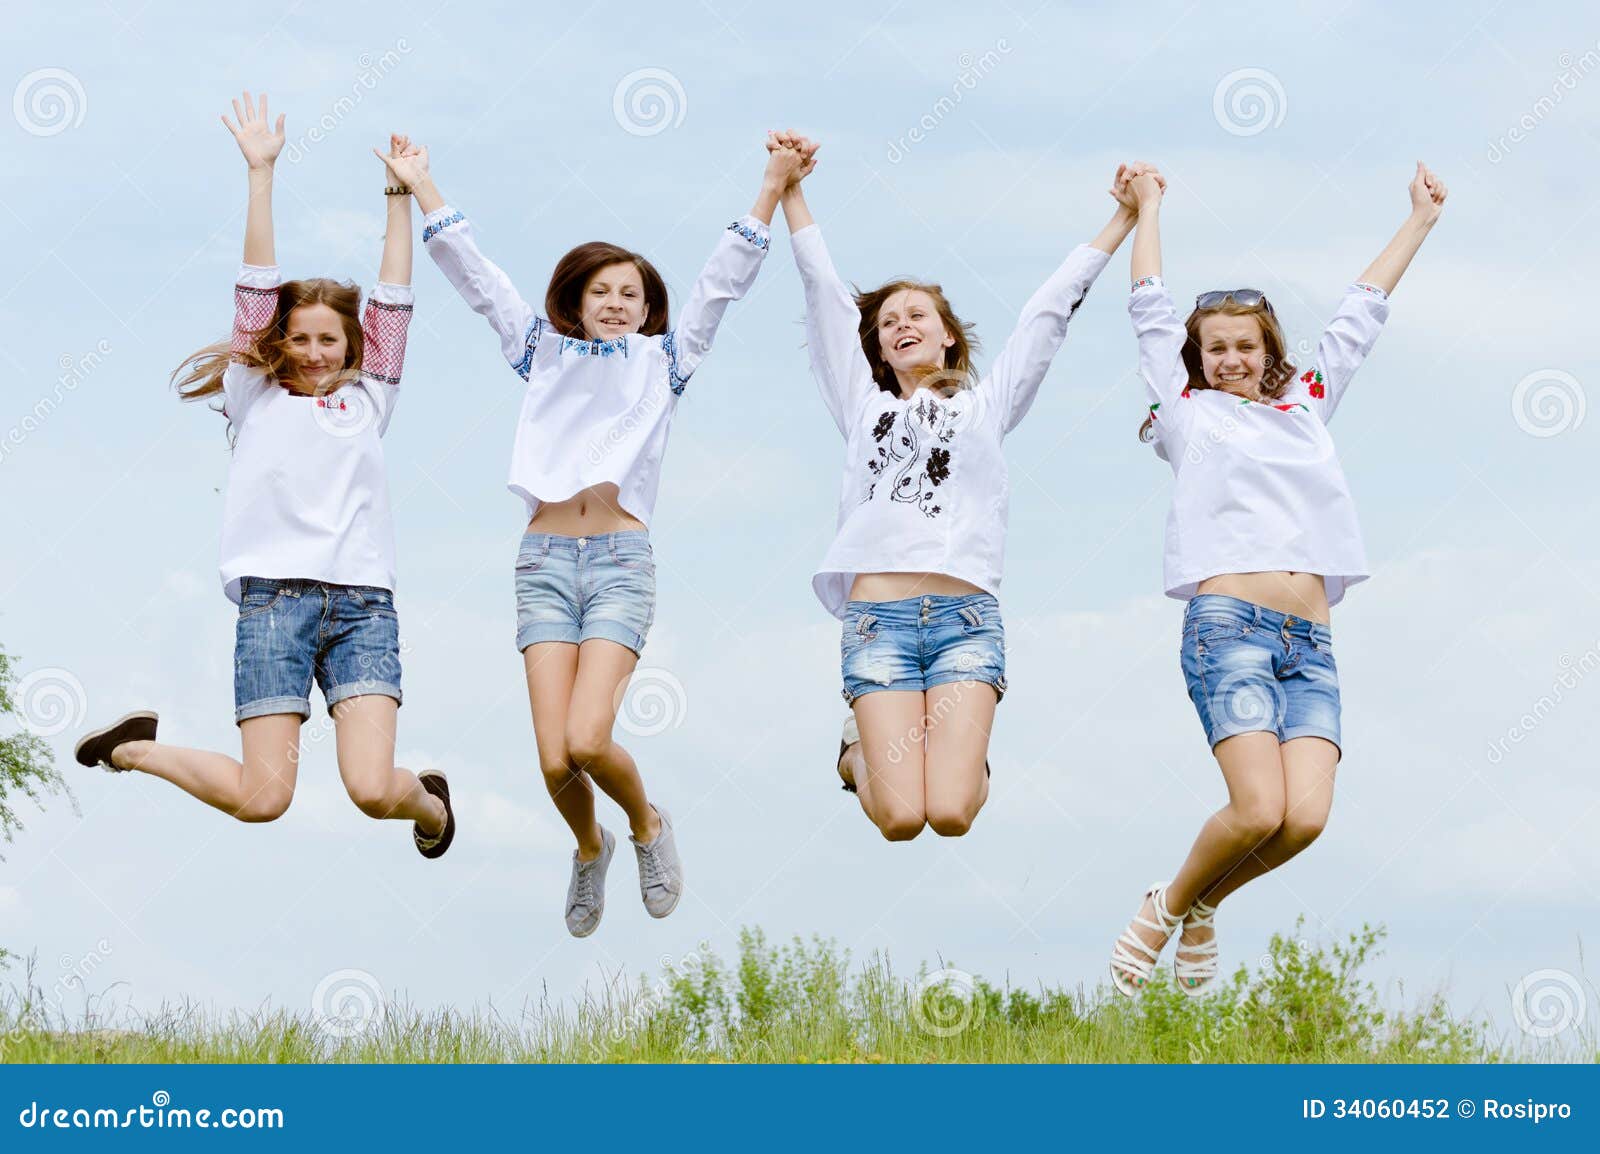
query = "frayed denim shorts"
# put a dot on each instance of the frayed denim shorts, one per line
(292, 632)
(1252, 669)
(576, 588)
(921, 642)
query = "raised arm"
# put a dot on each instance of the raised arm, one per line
(1042, 327)
(1355, 327)
(260, 142)
(448, 239)
(1156, 321)
(833, 322)
(1427, 202)
(389, 305)
(728, 275)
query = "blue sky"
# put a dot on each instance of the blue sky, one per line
(1464, 438)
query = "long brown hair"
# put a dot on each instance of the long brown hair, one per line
(563, 300)
(957, 358)
(200, 373)
(1277, 371)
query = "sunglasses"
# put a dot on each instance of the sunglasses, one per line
(1248, 297)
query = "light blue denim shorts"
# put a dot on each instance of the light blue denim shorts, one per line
(921, 642)
(291, 632)
(1252, 669)
(576, 588)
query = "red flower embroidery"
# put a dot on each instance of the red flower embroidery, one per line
(1185, 393)
(1316, 391)
(1310, 375)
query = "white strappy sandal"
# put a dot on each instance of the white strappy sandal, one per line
(1133, 963)
(1194, 974)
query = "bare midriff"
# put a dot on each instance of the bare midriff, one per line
(900, 586)
(587, 513)
(1300, 595)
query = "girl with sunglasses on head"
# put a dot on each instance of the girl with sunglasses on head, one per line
(308, 382)
(916, 559)
(1262, 541)
(604, 367)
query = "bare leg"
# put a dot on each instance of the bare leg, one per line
(892, 740)
(551, 668)
(603, 671)
(1309, 766)
(364, 734)
(1253, 769)
(259, 788)
(960, 719)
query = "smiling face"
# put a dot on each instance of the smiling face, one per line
(316, 343)
(911, 334)
(613, 302)
(1233, 353)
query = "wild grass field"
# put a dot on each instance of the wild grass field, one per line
(803, 1002)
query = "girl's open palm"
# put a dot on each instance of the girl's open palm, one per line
(257, 139)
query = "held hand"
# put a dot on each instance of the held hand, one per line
(1148, 189)
(806, 147)
(406, 162)
(782, 166)
(260, 143)
(1121, 189)
(1427, 195)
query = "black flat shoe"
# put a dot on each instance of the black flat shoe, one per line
(434, 782)
(96, 747)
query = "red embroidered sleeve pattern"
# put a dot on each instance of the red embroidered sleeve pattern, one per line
(253, 310)
(383, 335)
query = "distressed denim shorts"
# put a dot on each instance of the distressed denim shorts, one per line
(922, 642)
(293, 631)
(1251, 669)
(576, 588)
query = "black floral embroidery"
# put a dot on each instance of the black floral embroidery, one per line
(901, 438)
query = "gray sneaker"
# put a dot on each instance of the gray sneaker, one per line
(660, 870)
(586, 893)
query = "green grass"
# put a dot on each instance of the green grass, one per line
(803, 1002)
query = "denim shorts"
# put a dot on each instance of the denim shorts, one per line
(575, 588)
(1254, 670)
(291, 631)
(922, 642)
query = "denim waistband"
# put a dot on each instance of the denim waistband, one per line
(295, 586)
(928, 609)
(556, 541)
(1216, 605)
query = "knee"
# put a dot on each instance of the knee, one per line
(1255, 822)
(267, 805)
(370, 802)
(901, 825)
(586, 744)
(1300, 830)
(950, 822)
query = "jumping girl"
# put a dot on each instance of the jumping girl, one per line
(1261, 541)
(308, 386)
(916, 561)
(605, 369)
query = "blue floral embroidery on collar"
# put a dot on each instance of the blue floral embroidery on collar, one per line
(583, 348)
(751, 235)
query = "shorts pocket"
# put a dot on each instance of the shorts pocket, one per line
(531, 555)
(375, 600)
(259, 600)
(633, 554)
(858, 631)
(1210, 632)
